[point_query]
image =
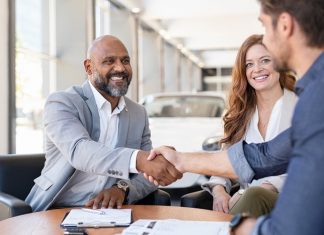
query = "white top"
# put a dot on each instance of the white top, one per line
(280, 119)
(85, 186)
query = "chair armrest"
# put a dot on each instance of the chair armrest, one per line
(200, 199)
(158, 197)
(11, 206)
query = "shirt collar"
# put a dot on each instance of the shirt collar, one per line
(100, 100)
(311, 75)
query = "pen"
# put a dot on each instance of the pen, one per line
(96, 225)
(98, 212)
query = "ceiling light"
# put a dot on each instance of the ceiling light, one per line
(179, 46)
(201, 64)
(136, 10)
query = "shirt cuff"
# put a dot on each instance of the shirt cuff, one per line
(257, 226)
(215, 180)
(132, 163)
(239, 162)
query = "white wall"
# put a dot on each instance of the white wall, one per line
(4, 87)
(72, 40)
(171, 66)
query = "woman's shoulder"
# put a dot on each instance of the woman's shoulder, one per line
(289, 93)
(290, 97)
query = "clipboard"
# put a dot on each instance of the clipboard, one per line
(82, 218)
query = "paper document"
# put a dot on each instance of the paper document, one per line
(97, 218)
(176, 227)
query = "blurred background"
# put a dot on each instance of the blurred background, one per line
(176, 46)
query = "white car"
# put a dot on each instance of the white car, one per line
(187, 121)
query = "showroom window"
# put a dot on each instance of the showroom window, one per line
(32, 72)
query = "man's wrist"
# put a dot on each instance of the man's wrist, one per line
(123, 186)
(217, 189)
(237, 221)
(179, 164)
(140, 160)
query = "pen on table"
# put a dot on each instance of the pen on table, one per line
(75, 231)
(98, 212)
(96, 225)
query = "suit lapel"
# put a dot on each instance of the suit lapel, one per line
(90, 100)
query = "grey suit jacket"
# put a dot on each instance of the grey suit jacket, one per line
(72, 129)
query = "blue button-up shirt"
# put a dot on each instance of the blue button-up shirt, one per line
(300, 207)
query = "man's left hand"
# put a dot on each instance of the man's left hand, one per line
(107, 198)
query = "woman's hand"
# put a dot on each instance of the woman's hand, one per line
(221, 199)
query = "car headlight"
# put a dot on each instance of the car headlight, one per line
(212, 143)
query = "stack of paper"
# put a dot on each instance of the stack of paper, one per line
(97, 218)
(176, 227)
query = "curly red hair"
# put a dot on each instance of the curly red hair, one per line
(242, 97)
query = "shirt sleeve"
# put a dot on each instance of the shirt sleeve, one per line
(239, 162)
(255, 161)
(132, 162)
(276, 181)
(216, 180)
(257, 226)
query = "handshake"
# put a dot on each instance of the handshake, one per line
(161, 166)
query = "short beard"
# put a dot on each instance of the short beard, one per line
(108, 88)
(280, 67)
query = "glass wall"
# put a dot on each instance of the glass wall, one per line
(51, 39)
(32, 66)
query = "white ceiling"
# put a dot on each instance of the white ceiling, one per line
(212, 29)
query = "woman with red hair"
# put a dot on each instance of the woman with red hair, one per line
(260, 106)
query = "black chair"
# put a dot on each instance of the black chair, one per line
(17, 174)
(202, 199)
(158, 197)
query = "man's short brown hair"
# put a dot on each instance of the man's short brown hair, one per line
(308, 13)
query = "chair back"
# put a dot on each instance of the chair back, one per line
(18, 171)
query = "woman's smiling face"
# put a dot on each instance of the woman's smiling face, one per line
(259, 68)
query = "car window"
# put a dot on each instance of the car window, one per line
(185, 106)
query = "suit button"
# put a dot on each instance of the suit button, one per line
(120, 173)
(109, 171)
(113, 172)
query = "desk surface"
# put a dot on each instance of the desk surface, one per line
(48, 222)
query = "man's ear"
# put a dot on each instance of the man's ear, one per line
(286, 24)
(88, 66)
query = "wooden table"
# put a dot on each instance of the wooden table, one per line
(48, 222)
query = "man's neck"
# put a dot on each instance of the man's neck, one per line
(304, 59)
(113, 100)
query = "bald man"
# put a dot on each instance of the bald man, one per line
(97, 140)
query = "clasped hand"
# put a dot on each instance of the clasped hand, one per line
(161, 166)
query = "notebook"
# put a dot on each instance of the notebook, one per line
(97, 218)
